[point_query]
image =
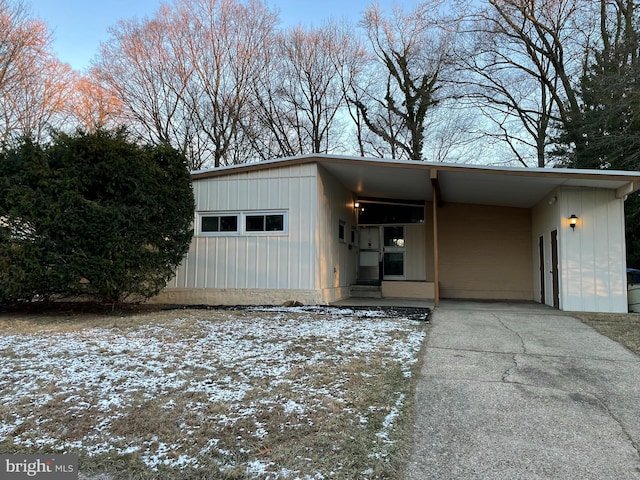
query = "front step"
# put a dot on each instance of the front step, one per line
(365, 291)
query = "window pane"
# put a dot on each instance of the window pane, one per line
(275, 223)
(379, 213)
(341, 231)
(229, 224)
(254, 223)
(393, 263)
(394, 236)
(210, 224)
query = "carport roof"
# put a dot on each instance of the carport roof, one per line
(474, 184)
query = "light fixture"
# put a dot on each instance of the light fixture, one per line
(573, 220)
(356, 205)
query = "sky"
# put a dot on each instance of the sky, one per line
(78, 26)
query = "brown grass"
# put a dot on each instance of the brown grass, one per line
(339, 434)
(624, 328)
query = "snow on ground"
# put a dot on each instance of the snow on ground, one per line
(100, 374)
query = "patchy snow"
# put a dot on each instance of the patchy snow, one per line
(102, 373)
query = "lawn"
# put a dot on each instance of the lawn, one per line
(624, 328)
(273, 393)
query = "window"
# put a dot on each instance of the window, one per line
(385, 213)
(341, 231)
(242, 223)
(219, 223)
(264, 223)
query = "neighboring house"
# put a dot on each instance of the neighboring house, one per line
(314, 228)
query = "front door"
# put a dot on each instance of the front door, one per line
(393, 253)
(369, 256)
(554, 269)
(543, 293)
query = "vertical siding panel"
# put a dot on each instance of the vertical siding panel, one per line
(415, 252)
(255, 261)
(590, 242)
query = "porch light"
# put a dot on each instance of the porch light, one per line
(573, 220)
(356, 205)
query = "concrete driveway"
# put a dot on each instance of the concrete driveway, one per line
(521, 391)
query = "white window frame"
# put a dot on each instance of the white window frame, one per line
(202, 215)
(258, 213)
(241, 217)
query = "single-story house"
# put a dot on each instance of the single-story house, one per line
(320, 228)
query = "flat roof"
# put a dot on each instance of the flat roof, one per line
(457, 183)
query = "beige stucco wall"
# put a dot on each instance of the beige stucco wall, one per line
(485, 252)
(401, 289)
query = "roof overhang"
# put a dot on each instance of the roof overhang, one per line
(453, 183)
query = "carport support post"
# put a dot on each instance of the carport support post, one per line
(435, 201)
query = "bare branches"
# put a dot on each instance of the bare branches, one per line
(33, 83)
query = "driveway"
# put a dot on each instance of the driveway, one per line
(522, 391)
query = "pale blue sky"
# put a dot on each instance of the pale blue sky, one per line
(79, 26)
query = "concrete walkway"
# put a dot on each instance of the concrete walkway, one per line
(521, 391)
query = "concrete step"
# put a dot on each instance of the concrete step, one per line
(365, 291)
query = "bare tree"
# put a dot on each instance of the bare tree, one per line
(139, 66)
(226, 45)
(413, 50)
(34, 85)
(299, 100)
(183, 76)
(525, 62)
(92, 106)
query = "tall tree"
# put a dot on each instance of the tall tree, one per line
(521, 64)
(412, 49)
(34, 84)
(604, 132)
(94, 215)
(183, 76)
(299, 98)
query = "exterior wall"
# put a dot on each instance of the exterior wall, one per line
(415, 264)
(545, 219)
(592, 265)
(336, 259)
(592, 257)
(485, 252)
(250, 263)
(400, 289)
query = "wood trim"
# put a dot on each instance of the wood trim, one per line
(559, 173)
(627, 189)
(437, 194)
(436, 272)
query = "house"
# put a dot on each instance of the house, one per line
(316, 228)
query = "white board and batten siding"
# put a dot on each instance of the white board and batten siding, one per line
(255, 261)
(593, 256)
(336, 258)
(592, 264)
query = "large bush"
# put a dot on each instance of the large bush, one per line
(92, 215)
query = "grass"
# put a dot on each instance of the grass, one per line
(624, 328)
(212, 394)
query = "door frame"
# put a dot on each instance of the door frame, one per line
(394, 249)
(555, 276)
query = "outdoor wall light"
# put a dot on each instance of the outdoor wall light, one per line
(573, 220)
(356, 205)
